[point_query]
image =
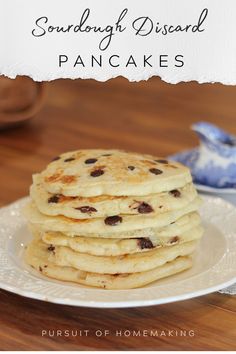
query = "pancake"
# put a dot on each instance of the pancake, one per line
(181, 225)
(114, 224)
(129, 263)
(90, 173)
(112, 219)
(118, 247)
(105, 205)
(37, 256)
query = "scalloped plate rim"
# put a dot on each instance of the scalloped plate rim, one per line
(117, 304)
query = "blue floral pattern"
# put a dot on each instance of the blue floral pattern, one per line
(212, 173)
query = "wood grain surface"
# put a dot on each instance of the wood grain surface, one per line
(151, 117)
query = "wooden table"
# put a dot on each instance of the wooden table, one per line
(151, 117)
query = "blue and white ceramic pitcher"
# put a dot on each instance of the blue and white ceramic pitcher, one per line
(215, 159)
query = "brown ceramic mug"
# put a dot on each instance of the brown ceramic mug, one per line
(20, 99)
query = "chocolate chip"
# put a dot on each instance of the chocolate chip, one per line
(97, 173)
(45, 266)
(56, 158)
(69, 159)
(89, 161)
(40, 269)
(144, 208)
(54, 199)
(155, 171)
(162, 161)
(174, 240)
(175, 193)
(145, 243)
(51, 248)
(113, 220)
(86, 209)
(131, 168)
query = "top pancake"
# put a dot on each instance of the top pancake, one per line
(90, 173)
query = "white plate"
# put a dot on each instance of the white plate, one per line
(214, 265)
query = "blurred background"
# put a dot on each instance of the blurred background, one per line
(39, 121)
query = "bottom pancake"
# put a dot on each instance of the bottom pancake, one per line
(37, 255)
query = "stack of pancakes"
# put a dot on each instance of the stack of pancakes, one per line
(112, 219)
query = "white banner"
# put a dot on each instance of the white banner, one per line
(178, 40)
